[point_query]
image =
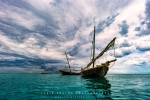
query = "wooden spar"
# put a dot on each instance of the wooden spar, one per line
(67, 61)
(112, 60)
(93, 46)
(107, 47)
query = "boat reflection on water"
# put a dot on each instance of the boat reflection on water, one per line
(99, 88)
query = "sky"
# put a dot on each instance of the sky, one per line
(34, 34)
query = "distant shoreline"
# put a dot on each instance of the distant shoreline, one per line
(106, 75)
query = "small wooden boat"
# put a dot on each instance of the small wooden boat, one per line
(46, 73)
(102, 69)
(69, 71)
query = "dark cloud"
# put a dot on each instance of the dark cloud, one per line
(125, 43)
(124, 28)
(12, 29)
(32, 63)
(74, 51)
(125, 53)
(148, 25)
(27, 62)
(55, 68)
(143, 22)
(111, 19)
(147, 21)
(137, 29)
(24, 61)
(143, 64)
(125, 49)
(143, 48)
(105, 23)
(119, 56)
(56, 2)
(48, 29)
(143, 33)
(147, 9)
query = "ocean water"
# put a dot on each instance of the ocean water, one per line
(58, 87)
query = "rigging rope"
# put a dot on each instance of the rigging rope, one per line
(115, 58)
(106, 56)
(98, 59)
(91, 51)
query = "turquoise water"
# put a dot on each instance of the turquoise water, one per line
(58, 87)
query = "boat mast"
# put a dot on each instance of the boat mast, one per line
(67, 60)
(93, 47)
(106, 48)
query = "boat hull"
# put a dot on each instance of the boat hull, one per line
(68, 73)
(99, 71)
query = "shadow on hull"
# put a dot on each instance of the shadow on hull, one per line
(95, 72)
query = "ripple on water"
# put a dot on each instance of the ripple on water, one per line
(53, 86)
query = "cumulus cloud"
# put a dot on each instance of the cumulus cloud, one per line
(124, 28)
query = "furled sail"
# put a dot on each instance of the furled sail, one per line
(68, 61)
(111, 44)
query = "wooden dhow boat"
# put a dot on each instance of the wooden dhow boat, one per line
(69, 71)
(102, 69)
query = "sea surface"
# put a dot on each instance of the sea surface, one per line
(58, 87)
